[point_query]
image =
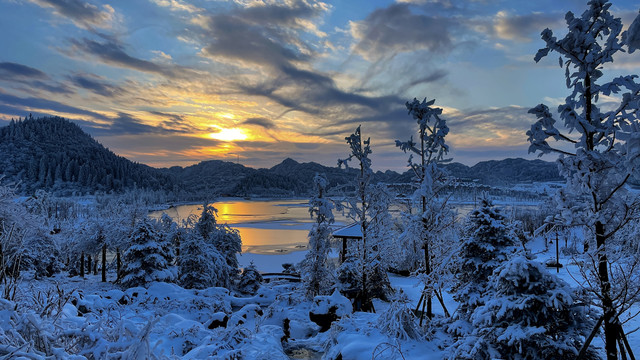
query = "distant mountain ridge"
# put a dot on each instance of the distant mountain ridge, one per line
(55, 154)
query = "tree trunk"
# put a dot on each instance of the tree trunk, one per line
(89, 263)
(118, 264)
(95, 265)
(82, 264)
(104, 263)
(610, 322)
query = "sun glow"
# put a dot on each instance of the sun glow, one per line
(229, 135)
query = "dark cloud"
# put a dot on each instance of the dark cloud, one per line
(80, 12)
(33, 78)
(236, 38)
(113, 53)
(43, 104)
(96, 85)
(126, 124)
(263, 122)
(396, 28)
(9, 70)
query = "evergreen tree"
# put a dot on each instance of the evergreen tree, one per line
(200, 264)
(220, 245)
(148, 257)
(314, 269)
(485, 246)
(250, 280)
(528, 314)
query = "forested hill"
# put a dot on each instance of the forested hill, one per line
(55, 154)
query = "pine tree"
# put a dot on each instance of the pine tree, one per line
(485, 246)
(529, 314)
(605, 138)
(148, 257)
(220, 245)
(314, 269)
(250, 279)
(200, 264)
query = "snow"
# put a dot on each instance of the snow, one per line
(350, 231)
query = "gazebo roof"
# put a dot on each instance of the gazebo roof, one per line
(352, 231)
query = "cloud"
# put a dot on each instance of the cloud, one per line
(45, 105)
(127, 124)
(262, 122)
(113, 53)
(523, 27)
(394, 29)
(9, 70)
(32, 78)
(81, 13)
(96, 85)
(176, 5)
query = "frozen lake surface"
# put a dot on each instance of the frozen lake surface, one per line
(278, 227)
(267, 227)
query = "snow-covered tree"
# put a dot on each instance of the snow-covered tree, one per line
(219, 243)
(528, 314)
(434, 214)
(485, 246)
(361, 209)
(200, 264)
(250, 279)
(315, 269)
(601, 119)
(148, 257)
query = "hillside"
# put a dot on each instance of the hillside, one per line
(55, 154)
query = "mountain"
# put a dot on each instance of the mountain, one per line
(507, 171)
(55, 154)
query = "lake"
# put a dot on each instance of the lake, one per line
(266, 226)
(277, 227)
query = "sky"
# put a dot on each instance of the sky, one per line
(176, 82)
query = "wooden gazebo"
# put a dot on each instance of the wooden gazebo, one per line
(349, 232)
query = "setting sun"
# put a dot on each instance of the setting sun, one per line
(229, 135)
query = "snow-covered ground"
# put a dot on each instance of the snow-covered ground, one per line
(165, 321)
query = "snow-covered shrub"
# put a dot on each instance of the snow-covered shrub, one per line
(528, 313)
(349, 277)
(398, 321)
(250, 280)
(148, 258)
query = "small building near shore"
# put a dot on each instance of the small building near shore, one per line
(347, 233)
